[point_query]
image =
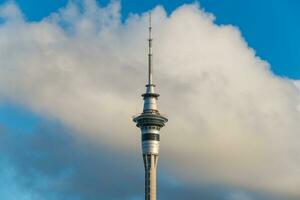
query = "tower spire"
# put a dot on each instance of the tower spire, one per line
(150, 72)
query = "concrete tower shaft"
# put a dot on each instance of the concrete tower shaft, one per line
(150, 163)
(150, 121)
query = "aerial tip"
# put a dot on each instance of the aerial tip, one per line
(150, 25)
(150, 19)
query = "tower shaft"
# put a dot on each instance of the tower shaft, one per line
(150, 163)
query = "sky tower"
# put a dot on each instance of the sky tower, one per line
(150, 121)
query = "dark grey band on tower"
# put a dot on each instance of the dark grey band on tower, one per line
(147, 95)
(150, 136)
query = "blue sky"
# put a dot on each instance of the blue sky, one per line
(269, 27)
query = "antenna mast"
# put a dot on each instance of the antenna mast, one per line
(150, 81)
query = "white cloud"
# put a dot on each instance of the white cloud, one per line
(297, 83)
(232, 121)
(10, 11)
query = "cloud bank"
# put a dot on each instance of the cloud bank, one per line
(232, 122)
